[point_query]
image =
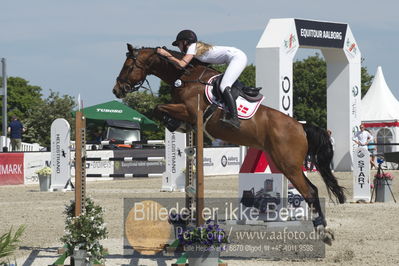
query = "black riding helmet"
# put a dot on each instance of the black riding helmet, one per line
(185, 35)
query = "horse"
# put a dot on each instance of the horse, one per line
(287, 141)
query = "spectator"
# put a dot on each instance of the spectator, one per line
(373, 151)
(362, 137)
(15, 128)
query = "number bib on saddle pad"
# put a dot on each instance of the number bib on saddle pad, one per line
(245, 109)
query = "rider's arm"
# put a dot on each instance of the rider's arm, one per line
(371, 138)
(181, 62)
(356, 139)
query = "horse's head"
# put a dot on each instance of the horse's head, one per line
(134, 71)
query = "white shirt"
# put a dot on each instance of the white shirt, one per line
(363, 137)
(215, 55)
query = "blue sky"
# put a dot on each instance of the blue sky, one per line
(78, 47)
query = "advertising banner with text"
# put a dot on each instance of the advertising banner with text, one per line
(11, 168)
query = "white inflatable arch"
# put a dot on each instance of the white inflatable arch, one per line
(275, 52)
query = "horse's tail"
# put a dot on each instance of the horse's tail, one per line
(321, 154)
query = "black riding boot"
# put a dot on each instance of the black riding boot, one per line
(230, 118)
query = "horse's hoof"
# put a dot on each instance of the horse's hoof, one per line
(326, 234)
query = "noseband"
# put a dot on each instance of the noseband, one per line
(125, 84)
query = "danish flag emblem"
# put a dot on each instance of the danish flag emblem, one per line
(242, 109)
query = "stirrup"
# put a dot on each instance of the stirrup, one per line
(231, 121)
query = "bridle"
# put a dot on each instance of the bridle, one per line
(125, 84)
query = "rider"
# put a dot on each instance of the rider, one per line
(187, 42)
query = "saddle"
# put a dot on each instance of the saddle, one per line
(251, 94)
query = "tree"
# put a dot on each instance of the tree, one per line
(145, 103)
(309, 87)
(21, 97)
(39, 120)
(142, 102)
(366, 80)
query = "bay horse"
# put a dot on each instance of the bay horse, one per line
(287, 141)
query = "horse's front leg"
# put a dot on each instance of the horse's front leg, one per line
(172, 115)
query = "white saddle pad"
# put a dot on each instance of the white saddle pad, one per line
(245, 109)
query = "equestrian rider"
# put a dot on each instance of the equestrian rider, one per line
(236, 60)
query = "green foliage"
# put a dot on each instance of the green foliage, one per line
(25, 101)
(9, 243)
(141, 101)
(366, 80)
(39, 120)
(21, 97)
(310, 101)
(85, 231)
(164, 95)
(144, 103)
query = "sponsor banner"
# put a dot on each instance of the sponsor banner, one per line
(221, 161)
(321, 34)
(139, 167)
(361, 174)
(34, 162)
(11, 168)
(97, 167)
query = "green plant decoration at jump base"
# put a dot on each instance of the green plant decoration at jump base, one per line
(9, 243)
(84, 232)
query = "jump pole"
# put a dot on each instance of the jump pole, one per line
(80, 176)
(199, 166)
(80, 167)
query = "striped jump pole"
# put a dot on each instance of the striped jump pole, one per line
(126, 159)
(124, 175)
(108, 142)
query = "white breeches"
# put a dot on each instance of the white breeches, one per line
(234, 69)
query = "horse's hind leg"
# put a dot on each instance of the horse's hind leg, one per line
(310, 194)
(319, 221)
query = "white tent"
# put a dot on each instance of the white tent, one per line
(380, 113)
